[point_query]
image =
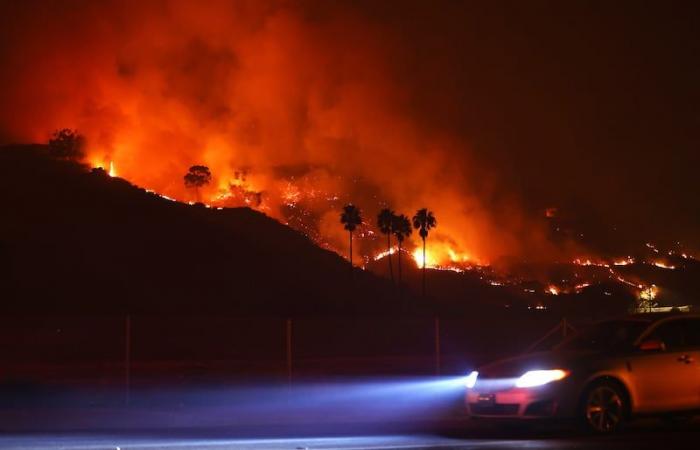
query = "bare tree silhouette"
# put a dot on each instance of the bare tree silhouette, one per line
(424, 221)
(350, 218)
(385, 222)
(67, 144)
(401, 229)
(197, 177)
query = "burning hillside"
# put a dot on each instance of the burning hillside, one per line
(293, 114)
(635, 274)
(147, 251)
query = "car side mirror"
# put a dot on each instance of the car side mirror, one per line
(652, 345)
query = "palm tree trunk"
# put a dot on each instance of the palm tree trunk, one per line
(423, 267)
(351, 277)
(388, 248)
(399, 253)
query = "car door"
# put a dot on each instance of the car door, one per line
(692, 353)
(667, 379)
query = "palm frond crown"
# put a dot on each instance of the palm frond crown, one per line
(350, 217)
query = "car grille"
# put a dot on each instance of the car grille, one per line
(496, 409)
(543, 408)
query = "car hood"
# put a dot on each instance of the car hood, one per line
(518, 365)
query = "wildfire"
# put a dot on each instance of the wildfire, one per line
(649, 293)
(263, 97)
(552, 289)
(430, 260)
(439, 255)
(652, 247)
(582, 286)
(588, 262)
(624, 262)
(663, 265)
(100, 164)
(385, 253)
(458, 258)
(291, 195)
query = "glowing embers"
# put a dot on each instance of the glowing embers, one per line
(663, 265)
(237, 194)
(537, 307)
(553, 289)
(589, 262)
(649, 293)
(624, 262)
(291, 195)
(579, 287)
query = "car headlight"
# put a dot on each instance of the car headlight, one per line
(534, 378)
(470, 380)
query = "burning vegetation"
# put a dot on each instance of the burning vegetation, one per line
(293, 111)
(299, 216)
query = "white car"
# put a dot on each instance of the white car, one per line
(637, 365)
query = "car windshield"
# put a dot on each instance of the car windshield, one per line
(608, 335)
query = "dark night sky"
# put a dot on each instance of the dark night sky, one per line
(593, 106)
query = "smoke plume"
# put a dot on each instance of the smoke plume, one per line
(296, 108)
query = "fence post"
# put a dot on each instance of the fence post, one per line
(289, 351)
(127, 359)
(564, 327)
(437, 346)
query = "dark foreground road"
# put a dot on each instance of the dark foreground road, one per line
(123, 442)
(349, 414)
(645, 436)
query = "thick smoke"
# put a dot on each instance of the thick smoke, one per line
(295, 108)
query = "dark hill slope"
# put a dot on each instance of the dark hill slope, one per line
(72, 241)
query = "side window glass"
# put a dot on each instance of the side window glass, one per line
(692, 333)
(672, 334)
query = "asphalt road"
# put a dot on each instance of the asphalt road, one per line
(640, 437)
(366, 414)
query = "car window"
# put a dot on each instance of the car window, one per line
(607, 335)
(692, 333)
(672, 334)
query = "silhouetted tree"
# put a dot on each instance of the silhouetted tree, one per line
(67, 144)
(350, 218)
(423, 221)
(197, 177)
(385, 222)
(401, 229)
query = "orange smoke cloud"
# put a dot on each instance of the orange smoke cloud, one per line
(295, 109)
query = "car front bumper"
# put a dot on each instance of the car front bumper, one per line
(548, 401)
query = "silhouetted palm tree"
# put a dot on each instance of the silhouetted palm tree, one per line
(402, 230)
(423, 221)
(350, 218)
(385, 222)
